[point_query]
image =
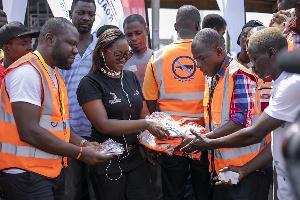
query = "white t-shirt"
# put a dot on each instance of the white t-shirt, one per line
(284, 105)
(24, 84)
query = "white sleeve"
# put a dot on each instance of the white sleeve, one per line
(285, 105)
(24, 84)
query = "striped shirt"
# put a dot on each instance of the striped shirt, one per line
(243, 97)
(80, 68)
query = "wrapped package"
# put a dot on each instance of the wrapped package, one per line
(176, 130)
(110, 147)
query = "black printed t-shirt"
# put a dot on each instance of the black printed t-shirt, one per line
(110, 90)
(114, 98)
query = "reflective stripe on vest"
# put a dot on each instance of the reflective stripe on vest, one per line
(18, 154)
(221, 155)
(25, 151)
(182, 114)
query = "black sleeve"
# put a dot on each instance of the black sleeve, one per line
(88, 89)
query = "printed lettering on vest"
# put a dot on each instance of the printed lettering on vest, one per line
(184, 72)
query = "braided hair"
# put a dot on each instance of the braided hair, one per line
(106, 39)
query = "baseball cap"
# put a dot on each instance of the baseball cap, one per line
(14, 29)
(251, 23)
(104, 28)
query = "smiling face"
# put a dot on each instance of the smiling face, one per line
(65, 48)
(83, 16)
(136, 35)
(121, 47)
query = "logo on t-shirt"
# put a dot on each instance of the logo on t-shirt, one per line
(184, 68)
(115, 100)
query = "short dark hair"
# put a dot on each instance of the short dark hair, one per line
(134, 18)
(74, 3)
(187, 13)
(208, 39)
(55, 25)
(2, 13)
(214, 20)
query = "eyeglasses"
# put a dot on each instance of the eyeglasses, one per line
(119, 56)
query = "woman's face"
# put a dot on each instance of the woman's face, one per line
(119, 49)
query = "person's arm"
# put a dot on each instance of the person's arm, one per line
(96, 113)
(244, 137)
(258, 162)
(150, 88)
(27, 117)
(226, 129)
(241, 106)
(151, 104)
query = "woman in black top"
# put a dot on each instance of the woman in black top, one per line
(112, 100)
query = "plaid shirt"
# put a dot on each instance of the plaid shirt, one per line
(80, 68)
(243, 97)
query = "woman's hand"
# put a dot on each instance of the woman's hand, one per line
(157, 129)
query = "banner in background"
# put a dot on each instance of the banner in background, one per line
(107, 12)
(233, 12)
(111, 12)
(134, 7)
(15, 10)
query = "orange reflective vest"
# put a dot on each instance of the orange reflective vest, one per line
(181, 84)
(220, 109)
(290, 41)
(17, 154)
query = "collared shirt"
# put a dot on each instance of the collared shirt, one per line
(243, 97)
(80, 68)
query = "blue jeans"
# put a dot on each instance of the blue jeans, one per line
(175, 175)
(78, 184)
(254, 186)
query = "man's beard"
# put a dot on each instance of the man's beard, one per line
(58, 57)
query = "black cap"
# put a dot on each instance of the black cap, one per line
(104, 28)
(251, 23)
(13, 30)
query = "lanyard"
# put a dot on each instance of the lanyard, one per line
(60, 92)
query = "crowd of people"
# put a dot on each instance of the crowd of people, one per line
(62, 101)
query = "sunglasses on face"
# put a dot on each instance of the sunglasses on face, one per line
(119, 56)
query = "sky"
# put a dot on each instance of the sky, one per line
(167, 20)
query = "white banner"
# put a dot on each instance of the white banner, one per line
(107, 12)
(15, 10)
(233, 12)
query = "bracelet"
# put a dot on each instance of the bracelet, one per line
(82, 142)
(80, 151)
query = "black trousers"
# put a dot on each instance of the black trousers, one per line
(132, 185)
(32, 186)
(254, 186)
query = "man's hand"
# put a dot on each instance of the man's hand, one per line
(238, 170)
(91, 156)
(86, 144)
(199, 143)
(279, 17)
